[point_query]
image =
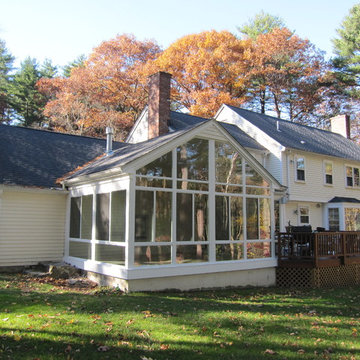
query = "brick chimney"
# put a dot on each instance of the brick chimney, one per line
(341, 125)
(159, 104)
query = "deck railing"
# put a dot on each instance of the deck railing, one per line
(318, 249)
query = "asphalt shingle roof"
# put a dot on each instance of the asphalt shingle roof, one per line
(129, 152)
(179, 121)
(30, 157)
(302, 137)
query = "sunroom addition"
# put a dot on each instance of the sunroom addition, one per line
(201, 207)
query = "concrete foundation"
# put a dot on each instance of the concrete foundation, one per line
(257, 277)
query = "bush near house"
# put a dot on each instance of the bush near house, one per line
(50, 319)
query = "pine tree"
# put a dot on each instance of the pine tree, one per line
(347, 50)
(26, 101)
(6, 61)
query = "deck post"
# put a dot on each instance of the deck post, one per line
(343, 246)
(316, 257)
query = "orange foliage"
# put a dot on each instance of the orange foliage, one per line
(208, 69)
(110, 90)
(286, 69)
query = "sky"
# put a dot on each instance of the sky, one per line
(63, 30)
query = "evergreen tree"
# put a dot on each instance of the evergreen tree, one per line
(48, 70)
(26, 101)
(6, 61)
(78, 62)
(347, 50)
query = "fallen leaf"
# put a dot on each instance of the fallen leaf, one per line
(270, 352)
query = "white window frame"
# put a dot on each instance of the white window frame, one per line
(327, 162)
(353, 186)
(298, 157)
(299, 214)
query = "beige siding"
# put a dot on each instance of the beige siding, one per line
(32, 227)
(313, 189)
(292, 214)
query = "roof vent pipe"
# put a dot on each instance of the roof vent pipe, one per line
(277, 125)
(109, 140)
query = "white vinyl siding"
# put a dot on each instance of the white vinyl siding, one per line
(314, 188)
(32, 227)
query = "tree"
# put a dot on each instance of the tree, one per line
(110, 89)
(47, 69)
(285, 74)
(26, 100)
(347, 50)
(78, 62)
(262, 23)
(6, 61)
(208, 70)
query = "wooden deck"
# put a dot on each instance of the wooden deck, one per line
(316, 250)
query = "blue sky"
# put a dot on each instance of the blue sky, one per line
(62, 30)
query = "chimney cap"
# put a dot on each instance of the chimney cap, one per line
(109, 130)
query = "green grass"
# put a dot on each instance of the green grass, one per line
(47, 320)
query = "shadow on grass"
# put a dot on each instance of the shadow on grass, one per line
(227, 324)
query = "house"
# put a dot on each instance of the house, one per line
(184, 203)
(32, 205)
(319, 168)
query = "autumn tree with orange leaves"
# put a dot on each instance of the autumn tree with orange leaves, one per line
(285, 75)
(108, 90)
(208, 69)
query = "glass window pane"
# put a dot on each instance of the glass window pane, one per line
(201, 217)
(191, 253)
(258, 250)
(328, 179)
(253, 178)
(265, 220)
(118, 215)
(153, 182)
(102, 216)
(300, 163)
(86, 216)
(189, 185)
(75, 217)
(184, 217)
(228, 164)
(334, 219)
(192, 160)
(163, 216)
(144, 209)
(352, 219)
(304, 215)
(229, 189)
(80, 249)
(257, 191)
(356, 177)
(152, 255)
(159, 167)
(222, 217)
(225, 252)
(110, 254)
(252, 218)
(237, 222)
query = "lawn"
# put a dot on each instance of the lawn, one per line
(46, 319)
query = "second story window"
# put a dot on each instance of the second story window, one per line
(352, 176)
(328, 173)
(300, 169)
